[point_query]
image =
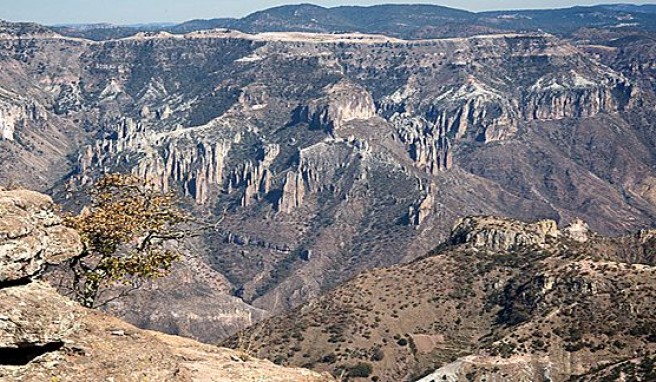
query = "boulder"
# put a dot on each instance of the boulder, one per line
(31, 235)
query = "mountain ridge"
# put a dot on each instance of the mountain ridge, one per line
(409, 21)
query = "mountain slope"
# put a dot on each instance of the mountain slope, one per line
(330, 154)
(500, 300)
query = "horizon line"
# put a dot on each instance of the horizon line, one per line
(173, 23)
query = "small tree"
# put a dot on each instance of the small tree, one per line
(125, 231)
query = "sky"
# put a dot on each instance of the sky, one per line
(52, 12)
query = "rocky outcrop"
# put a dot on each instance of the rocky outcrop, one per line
(31, 235)
(179, 157)
(34, 316)
(254, 178)
(8, 123)
(500, 234)
(245, 240)
(316, 171)
(47, 337)
(13, 115)
(292, 193)
(474, 109)
(578, 230)
(427, 145)
(572, 95)
(44, 336)
(343, 102)
(419, 213)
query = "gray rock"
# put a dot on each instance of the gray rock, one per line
(31, 235)
(34, 314)
(500, 234)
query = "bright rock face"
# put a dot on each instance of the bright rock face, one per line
(578, 230)
(498, 234)
(31, 235)
(14, 115)
(176, 157)
(343, 102)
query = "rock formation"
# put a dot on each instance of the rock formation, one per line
(418, 214)
(292, 193)
(31, 236)
(47, 337)
(572, 95)
(13, 115)
(343, 102)
(498, 234)
(176, 158)
(578, 230)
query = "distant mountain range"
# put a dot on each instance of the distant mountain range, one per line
(404, 21)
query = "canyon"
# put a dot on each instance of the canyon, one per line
(328, 154)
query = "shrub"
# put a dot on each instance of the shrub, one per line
(378, 355)
(362, 369)
(329, 358)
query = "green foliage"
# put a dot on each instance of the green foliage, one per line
(360, 370)
(124, 231)
(504, 349)
(648, 368)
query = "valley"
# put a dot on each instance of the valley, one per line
(337, 152)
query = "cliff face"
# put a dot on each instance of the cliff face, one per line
(343, 102)
(331, 153)
(189, 160)
(45, 336)
(501, 300)
(32, 236)
(503, 234)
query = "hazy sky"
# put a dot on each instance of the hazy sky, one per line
(143, 11)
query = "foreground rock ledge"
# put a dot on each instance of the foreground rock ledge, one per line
(47, 337)
(95, 347)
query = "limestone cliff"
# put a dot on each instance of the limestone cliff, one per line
(178, 157)
(342, 102)
(573, 95)
(18, 112)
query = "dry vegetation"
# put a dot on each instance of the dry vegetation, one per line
(593, 303)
